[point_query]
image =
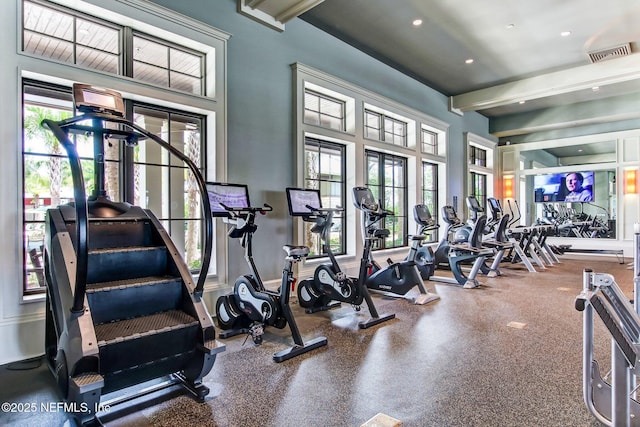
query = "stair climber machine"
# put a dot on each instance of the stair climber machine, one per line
(451, 253)
(396, 278)
(124, 317)
(329, 285)
(251, 307)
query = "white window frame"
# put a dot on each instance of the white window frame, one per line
(357, 100)
(473, 140)
(159, 22)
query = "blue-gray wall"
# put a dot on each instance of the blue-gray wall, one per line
(260, 110)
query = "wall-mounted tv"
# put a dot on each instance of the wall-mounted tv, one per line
(232, 195)
(564, 187)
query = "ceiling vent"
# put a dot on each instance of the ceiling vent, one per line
(612, 52)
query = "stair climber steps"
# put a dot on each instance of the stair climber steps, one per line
(122, 263)
(113, 234)
(121, 299)
(129, 343)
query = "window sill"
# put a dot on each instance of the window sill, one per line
(28, 299)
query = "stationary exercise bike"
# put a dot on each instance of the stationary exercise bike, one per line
(397, 278)
(329, 285)
(251, 307)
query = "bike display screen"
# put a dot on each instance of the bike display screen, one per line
(299, 199)
(231, 195)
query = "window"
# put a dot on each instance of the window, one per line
(69, 36)
(477, 156)
(323, 110)
(381, 146)
(429, 141)
(161, 184)
(430, 194)
(381, 127)
(386, 176)
(161, 63)
(479, 187)
(324, 165)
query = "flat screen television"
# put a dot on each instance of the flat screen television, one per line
(299, 198)
(564, 187)
(232, 195)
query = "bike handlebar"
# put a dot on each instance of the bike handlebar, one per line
(249, 209)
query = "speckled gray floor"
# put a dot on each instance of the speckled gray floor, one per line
(453, 362)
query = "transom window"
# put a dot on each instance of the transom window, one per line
(429, 141)
(477, 156)
(324, 166)
(323, 110)
(386, 176)
(381, 127)
(69, 36)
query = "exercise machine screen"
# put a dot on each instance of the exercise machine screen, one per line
(231, 195)
(97, 100)
(299, 199)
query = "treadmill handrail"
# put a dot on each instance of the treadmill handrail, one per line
(60, 129)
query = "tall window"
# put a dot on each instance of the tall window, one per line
(386, 176)
(161, 182)
(430, 194)
(324, 166)
(66, 35)
(323, 110)
(381, 127)
(478, 188)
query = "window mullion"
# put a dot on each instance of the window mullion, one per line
(127, 52)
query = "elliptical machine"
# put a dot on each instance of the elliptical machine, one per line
(397, 278)
(329, 285)
(457, 252)
(251, 307)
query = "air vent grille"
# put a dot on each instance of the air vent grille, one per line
(612, 52)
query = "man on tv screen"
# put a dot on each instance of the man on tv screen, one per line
(577, 193)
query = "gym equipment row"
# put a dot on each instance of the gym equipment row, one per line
(532, 246)
(122, 308)
(124, 316)
(612, 399)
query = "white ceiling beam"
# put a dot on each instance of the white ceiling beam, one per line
(603, 73)
(254, 3)
(296, 9)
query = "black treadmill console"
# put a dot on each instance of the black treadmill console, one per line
(90, 99)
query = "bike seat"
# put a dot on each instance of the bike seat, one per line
(418, 237)
(292, 250)
(381, 233)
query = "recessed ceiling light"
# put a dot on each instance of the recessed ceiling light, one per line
(510, 26)
(565, 33)
(469, 61)
(595, 88)
(522, 102)
(417, 22)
